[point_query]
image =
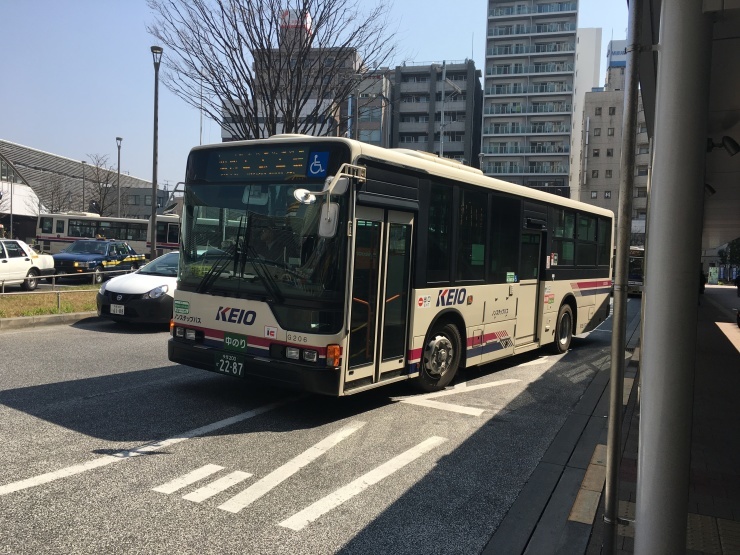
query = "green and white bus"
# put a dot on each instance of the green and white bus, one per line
(337, 266)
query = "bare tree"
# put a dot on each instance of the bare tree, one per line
(262, 67)
(55, 194)
(102, 184)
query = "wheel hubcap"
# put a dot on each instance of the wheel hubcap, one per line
(438, 355)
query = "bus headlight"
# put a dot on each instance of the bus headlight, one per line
(310, 356)
(293, 353)
(190, 334)
(333, 355)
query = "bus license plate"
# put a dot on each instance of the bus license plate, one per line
(116, 309)
(230, 364)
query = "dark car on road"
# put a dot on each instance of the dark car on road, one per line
(93, 258)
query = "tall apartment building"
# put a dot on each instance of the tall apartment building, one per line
(602, 137)
(437, 109)
(528, 92)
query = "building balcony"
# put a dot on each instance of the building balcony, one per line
(532, 129)
(528, 150)
(548, 108)
(415, 87)
(534, 69)
(413, 107)
(545, 88)
(542, 9)
(539, 29)
(532, 169)
(413, 127)
(543, 49)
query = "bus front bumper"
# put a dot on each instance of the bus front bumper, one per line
(324, 381)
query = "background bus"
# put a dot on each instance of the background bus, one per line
(383, 265)
(636, 271)
(54, 232)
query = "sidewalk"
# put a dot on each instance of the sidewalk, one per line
(713, 511)
(561, 508)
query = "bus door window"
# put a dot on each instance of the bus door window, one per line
(504, 239)
(530, 256)
(365, 292)
(396, 291)
(60, 226)
(173, 233)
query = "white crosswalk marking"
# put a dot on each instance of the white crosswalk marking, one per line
(190, 478)
(217, 487)
(301, 519)
(260, 488)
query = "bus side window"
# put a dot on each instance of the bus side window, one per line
(60, 226)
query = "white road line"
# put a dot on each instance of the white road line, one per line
(189, 478)
(261, 487)
(143, 450)
(466, 389)
(444, 406)
(217, 487)
(301, 519)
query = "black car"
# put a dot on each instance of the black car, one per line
(95, 257)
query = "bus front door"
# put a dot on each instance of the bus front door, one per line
(379, 315)
(528, 287)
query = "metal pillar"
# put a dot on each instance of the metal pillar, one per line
(619, 320)
(672, 252)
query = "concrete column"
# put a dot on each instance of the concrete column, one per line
(672, 280)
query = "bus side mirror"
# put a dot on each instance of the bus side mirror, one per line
(329, 220)
(340, 185)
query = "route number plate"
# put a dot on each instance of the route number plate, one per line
(116, 309)
(230, 364)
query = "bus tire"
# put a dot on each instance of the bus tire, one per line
(563, 329)
(440, 358)
(32, 280)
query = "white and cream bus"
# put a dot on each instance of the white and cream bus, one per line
(55, 232)
(338, 266)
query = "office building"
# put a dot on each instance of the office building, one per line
(437, 109)
(528, 92)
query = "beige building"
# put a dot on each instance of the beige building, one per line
(602, 139)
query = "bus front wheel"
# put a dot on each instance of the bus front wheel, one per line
(563, 329)
(440, 359)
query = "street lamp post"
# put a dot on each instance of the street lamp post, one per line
(118, 186)
(157, 57)
(84, 208)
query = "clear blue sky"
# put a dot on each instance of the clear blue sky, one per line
(78, 73)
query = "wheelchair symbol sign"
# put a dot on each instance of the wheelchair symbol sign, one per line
(317, 164)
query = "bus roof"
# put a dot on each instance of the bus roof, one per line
(426, 162)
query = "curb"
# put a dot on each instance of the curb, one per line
(22, 322)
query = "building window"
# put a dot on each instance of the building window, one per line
(597, 131)
(643, 149)
(594, 194)
(607, 173)
(642, 170)
(607, 194)
(596, 152)
(147, 200)
(612, 110)
(597, 111)
(641, 192)
(610, 152)
(594, 173)
(610, 132)
(133, 199)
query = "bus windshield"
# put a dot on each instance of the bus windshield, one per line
(256, 241)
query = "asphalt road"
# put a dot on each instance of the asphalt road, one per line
(107, 447)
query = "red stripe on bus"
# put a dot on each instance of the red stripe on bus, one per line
(255, 341)
(591, 284)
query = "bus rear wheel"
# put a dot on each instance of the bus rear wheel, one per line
(440, 359)
(563, 329)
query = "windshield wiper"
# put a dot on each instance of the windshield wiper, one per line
(264, 274)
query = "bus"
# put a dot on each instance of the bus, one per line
(55, 232)
(636, 271)
(382, 265)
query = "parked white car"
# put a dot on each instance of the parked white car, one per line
(21, 265)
